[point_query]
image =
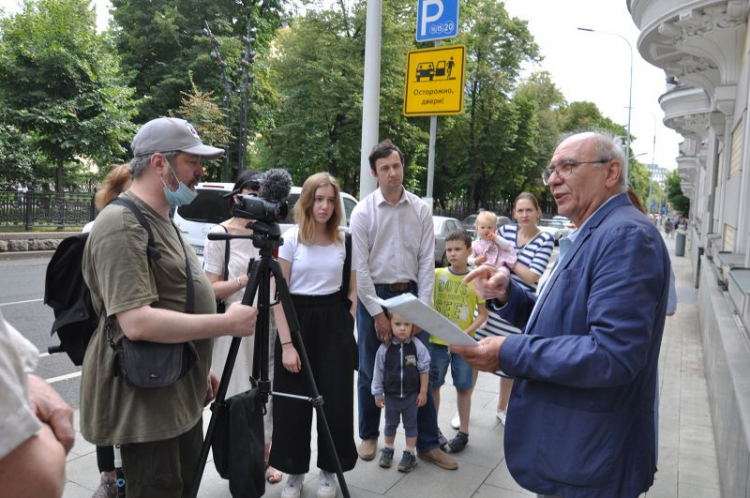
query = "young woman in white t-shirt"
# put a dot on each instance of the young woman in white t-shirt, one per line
(312, 260)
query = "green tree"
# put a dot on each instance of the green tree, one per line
(199, 109)
(676, 198)
(318, 77)
(491, 147)
(60, 84)
(317, 71)
(162, 42)
(19, 158)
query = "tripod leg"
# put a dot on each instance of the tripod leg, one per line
(317, 400)
(218, 404)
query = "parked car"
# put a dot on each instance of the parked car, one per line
(470, 225)
(443, 225)
(210, 208)
(556, 228)
(564, 220)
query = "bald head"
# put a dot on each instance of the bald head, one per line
(586, 170)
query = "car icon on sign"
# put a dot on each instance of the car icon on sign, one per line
(425, 69)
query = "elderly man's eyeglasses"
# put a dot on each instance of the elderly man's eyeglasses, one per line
(565, 168)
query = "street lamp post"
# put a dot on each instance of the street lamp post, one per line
(630, 96)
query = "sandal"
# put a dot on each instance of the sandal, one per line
(273, 476)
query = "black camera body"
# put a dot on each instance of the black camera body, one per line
(252, 207)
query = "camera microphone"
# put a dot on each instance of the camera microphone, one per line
(276, 185)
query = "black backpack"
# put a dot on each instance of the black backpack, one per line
(66, 292)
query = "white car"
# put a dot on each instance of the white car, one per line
(556, 228)
(210, 208)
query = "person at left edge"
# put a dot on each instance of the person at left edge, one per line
(160, 430)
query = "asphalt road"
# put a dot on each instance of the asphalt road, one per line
(21, 303)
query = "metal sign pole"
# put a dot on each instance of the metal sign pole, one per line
(431, 155)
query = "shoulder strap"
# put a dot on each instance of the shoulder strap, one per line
(347, 267)
(190, 301)
(226, 254)
(153, 252)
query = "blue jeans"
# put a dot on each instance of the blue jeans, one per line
(440, 359)
(369, 413)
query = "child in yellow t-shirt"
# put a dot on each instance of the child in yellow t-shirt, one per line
(457, 302)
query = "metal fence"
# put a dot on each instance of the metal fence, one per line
(45, 210)
(461, 208)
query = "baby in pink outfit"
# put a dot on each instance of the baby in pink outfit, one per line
(491, 249)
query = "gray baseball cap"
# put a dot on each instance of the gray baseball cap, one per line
(169, 134)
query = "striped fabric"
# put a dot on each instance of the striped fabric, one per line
(534, 255)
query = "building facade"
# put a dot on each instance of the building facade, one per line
(702, 46)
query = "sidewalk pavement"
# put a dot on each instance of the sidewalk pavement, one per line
(687, 455)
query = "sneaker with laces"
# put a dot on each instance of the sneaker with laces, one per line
(386, 457)
(293, 487)
(326, 485)
(501, 416)
(107, 487)
(407, 463)
(458, 443)
(442, 440)
(456, 421)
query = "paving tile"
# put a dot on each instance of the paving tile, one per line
(429, 480)
(488, 491)
(687, 490)
(698, 470)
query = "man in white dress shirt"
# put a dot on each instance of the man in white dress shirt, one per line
(392, 233)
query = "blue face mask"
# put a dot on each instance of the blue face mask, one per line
(180, 197)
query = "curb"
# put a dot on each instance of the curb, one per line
(12, 256)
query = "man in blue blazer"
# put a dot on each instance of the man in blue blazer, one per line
(581, 417)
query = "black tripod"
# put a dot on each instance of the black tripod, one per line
(265, 237)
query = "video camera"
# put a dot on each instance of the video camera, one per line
(271, 206)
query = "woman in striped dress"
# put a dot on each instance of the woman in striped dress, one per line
(534, 249)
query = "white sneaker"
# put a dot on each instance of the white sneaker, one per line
(293, 488)
(456, 421)
(326, 485)
(501, 416)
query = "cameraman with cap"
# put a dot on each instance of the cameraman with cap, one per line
(160, 429)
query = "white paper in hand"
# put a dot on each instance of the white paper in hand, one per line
(414, 310)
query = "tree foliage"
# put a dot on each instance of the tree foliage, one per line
(676, 198)
(490, 149)
(60, 85)
(161, 42)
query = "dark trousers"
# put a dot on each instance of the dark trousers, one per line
(369, 413)
(105, 458)
(323, 324)
(162, 468)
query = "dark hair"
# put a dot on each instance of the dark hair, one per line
(459, 234)
(384, 149)
(248, 178)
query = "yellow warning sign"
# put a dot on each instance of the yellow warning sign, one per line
(435, 81)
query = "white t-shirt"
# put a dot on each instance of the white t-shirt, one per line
(316, 270)
(18, 357)
(240, 253)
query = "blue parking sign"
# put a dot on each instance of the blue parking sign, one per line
(437, 19)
